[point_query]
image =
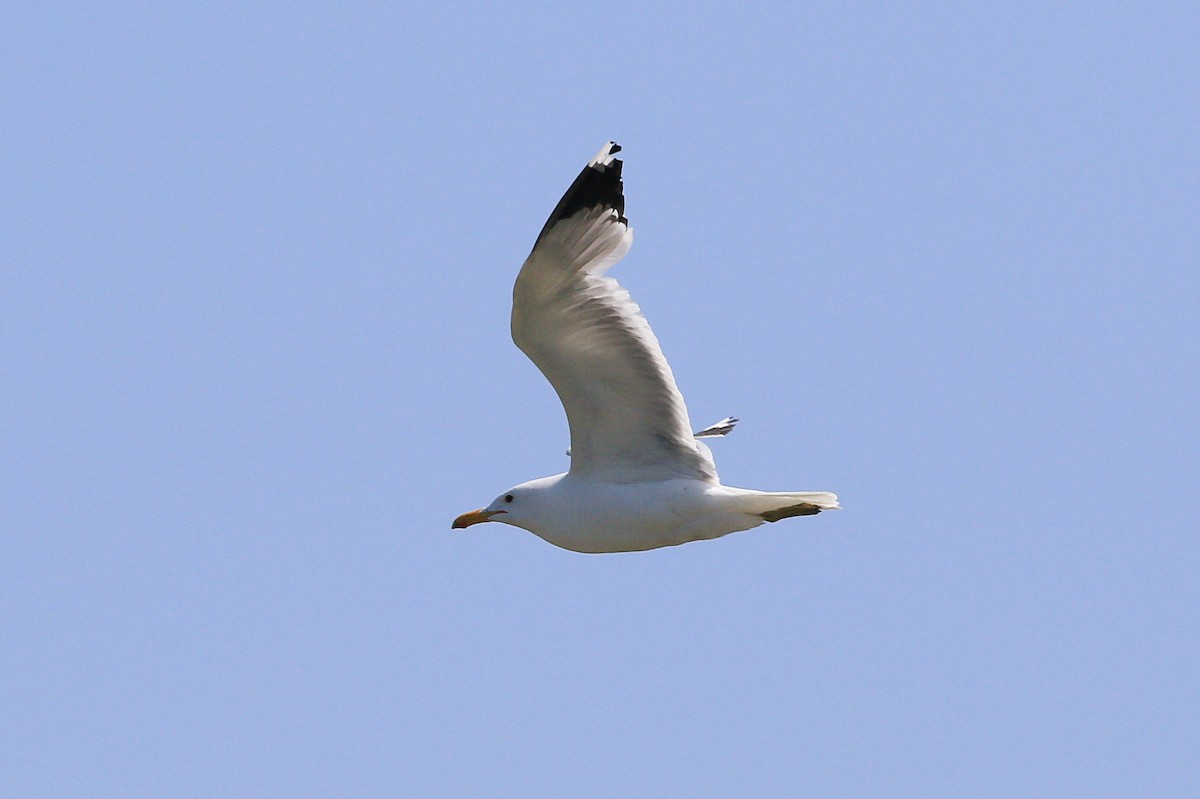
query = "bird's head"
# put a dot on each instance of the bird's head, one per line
(497, 511)
(519, 506)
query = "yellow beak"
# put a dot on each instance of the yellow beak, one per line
(474, 517)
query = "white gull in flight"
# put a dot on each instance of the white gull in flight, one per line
(639, 477)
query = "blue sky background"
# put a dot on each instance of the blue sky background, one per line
(257, 265)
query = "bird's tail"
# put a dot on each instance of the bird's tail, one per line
(772, 506)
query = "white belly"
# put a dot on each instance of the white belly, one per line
(611, 517)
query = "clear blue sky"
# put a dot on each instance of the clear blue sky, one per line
(257, 266)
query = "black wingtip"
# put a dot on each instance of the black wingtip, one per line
(598, 185)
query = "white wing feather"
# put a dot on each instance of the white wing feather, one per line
(589, 338)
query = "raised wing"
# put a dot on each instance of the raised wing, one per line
(627, 418)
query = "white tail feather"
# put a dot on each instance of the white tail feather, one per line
(772, 506)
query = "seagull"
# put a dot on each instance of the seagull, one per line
(639, 477)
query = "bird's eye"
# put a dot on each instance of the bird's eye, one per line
(508, 497)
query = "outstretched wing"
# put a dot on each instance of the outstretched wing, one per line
(627, 418)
